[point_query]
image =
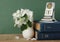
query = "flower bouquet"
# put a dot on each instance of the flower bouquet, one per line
(24, 19)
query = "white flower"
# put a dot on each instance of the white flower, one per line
(16, 22)
(20, 13)
(23, 12)
(30, 16)
(15, 15)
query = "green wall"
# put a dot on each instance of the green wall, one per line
(7, 7)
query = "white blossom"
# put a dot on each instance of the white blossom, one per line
(20, 13)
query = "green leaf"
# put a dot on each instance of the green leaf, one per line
(29, 23)
(18, 18)
(23, 27)
(26, 17)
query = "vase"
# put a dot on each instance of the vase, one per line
(28, 33)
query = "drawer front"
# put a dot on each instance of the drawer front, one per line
(50, 26)
(48, 36)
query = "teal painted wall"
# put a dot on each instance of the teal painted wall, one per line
(7, 7)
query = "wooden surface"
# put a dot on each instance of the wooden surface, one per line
(23, 40)
(11, 38)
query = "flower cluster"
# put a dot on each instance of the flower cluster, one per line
(23, 18)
